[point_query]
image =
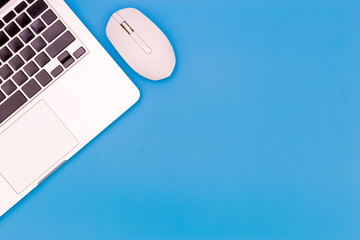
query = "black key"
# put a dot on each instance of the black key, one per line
(9, 87)
(42, 59)
(23, 20)
(66, 59)
(68, 62)
(60, 44)
(31, 68)
(38, 44)
(15, 45)
(5, 72)
(52, 32)
(37, 8)
(12, 29)
(3, 38)
(19, 8)
(2, 96)
(20, 78)
(31, 88)
(8, 17)
(43, 78)
(78, 53)
(5, 54)
(49, 16)
(12, 104)
(30, 1)
(1, 24)
(27, 53)
(27, 35)
(57, 71)
(38, 26)
(16, 62)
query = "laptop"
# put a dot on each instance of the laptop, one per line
(58, 90)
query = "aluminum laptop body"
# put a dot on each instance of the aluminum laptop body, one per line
(58, 90)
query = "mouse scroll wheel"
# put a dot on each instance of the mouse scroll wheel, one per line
(127, 27)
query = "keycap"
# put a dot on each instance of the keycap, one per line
(10, 105)
(66, 59)
(78, 53)
(27, 35)
(1, 24)
(30, 1)
(60, 44)
(39, 43)
(37, 8)
(43, 78)
(31, 68)
(16, 62)
(56, 71)
(55, 30)
(42, 59)
(15, 45)
(5, 54)
(8, 87)
(38, 26)
(23, 20)
(3, 38)
(8, 17)
(20, 78)
(5, 72)
(49, 16)
(12, 29)
(27, 53)
(2, 96)
(20, 7)
(31, 88)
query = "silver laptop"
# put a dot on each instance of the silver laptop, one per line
(58, 90)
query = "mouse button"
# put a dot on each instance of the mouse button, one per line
(118, 17)
(136, 20)
(129, 14)
(121, 40)
(141, 42)
(149, 34)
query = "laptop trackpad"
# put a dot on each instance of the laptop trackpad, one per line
(32, 145)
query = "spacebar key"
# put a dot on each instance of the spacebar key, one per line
(12, 104)
(60, 44)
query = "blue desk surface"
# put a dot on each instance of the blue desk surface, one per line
(256, 135)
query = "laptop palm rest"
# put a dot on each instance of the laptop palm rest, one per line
(32, 145)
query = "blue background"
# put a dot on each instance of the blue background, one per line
(256, 135)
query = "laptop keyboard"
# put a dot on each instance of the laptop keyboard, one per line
(36, 47)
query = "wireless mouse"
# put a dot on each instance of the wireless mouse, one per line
(141, 44)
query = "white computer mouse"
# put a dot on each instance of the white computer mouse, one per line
(141, 44)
